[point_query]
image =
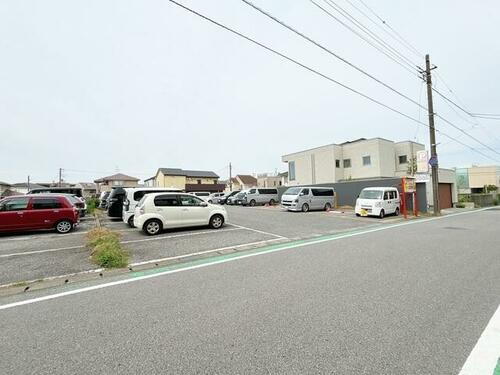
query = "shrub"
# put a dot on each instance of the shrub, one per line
(496, 202)
(110, 255)
(460, 205)
(107, 251)
(92, 204)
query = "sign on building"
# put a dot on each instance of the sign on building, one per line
(422, 161)
(422, 177)
(409, 185)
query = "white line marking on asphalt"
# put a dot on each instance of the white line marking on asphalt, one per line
(205, 252)
(484, 357)
(259, 231)
(219, 261)
(124, 242)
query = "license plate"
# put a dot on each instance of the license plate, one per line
(363, 212)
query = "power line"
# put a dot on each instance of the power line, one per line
(403, 64)
(317, 44)
(392, 29)
(367, 31)
(316, 72)
(249, 3)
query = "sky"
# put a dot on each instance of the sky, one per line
(95, 87)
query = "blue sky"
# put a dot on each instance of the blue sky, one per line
(99, 86)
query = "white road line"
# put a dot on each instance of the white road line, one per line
(484, 357)
(260, 231)
(124, 242)
(205, 252)
(219, 261)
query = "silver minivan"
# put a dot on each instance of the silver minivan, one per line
(308, 198)
(256, 196)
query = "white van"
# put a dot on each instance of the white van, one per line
(201, 194)
(134, 195)
(378, 201)
(308, 198)
(260, 196)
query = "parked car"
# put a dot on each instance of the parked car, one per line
(378, 201)
(238, 198)
(260, 196)
(103, 199)
(223, 199)
(214, 197)
(58, 190)
(115, 202)
(308, 198)
(78, 202)
(231, 198)
(35, 212)
(159, 211)
(133, 196)
(202, 194)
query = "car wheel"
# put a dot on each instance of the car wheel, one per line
(272, 202)
(131, 222)
(328, 207)
(305, 207)
(216, 222)
(397, 211)
(152, 227)
(64, 226)
(358, 215)
(210, 201)
(382, 214)
(252, 203)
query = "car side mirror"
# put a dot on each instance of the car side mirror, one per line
(301, 194)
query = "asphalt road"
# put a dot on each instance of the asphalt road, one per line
(407, 299)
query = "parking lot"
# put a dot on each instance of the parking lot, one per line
(36, 256)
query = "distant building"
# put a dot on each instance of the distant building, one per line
(89, 189)
(266, 181)
(359, 159)
(23, 187)
(119, 179)
(4, 187)
(243, 181)
(187, 180)
(475, 178)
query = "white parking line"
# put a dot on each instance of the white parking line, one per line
(124, 242)
(206, 252)
(260, 231)
(486, 354)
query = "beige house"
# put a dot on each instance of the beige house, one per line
(359, 159)
(119, 179)
(187, 180)
(243, 182)
(269, 181)
(475, 178)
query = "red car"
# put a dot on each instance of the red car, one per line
(32, 212)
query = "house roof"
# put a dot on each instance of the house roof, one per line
(247, 179)
(25, 185)
(87, 185)
(4, 183)
(150, 178)
(117, 177)
(187, 173)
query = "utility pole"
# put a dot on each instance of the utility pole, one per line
(230, 177)
(29, 183)
(60, 177)
(432, 132)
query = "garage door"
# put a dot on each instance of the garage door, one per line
(445, 196)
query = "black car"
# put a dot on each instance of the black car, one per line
(115, 202)
(104, 200)
(223, 199)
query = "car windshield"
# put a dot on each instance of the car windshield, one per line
(371, 194)
(292, 191)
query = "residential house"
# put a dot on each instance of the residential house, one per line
(4, 187)
(243, 181)
(150, 182)
(119, 179)
(89, 189)
(359, 159)
(24, 187)
(188, 180)
(265, 180)
(475, 178)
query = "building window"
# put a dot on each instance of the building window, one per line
(337, 163)
(291, 170)
(199, 181)
(367, 160)
(347, 163)
(403, 159)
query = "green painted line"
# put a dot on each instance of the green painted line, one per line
(497, 368)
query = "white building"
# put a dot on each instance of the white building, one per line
(359, 159)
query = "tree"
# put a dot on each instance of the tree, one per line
(490, 188)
